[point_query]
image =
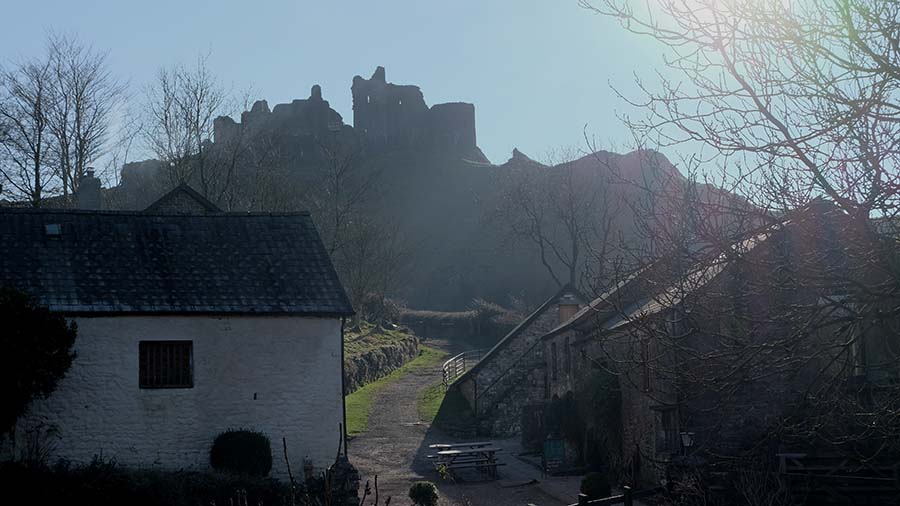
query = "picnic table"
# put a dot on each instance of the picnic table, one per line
(452, 446)
(476, 455)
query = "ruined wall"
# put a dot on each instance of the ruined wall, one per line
(387, 115)
(452, 126)
(295, 130)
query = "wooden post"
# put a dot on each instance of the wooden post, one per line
(626, 494)
(582, 499)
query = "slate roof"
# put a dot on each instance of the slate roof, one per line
(190, 199)
(612, 310)
(145, 262)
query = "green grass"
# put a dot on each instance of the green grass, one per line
(370, 338)
(361, 402)
(430, 402)
(447, 410)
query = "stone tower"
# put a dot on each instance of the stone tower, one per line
(388, 115)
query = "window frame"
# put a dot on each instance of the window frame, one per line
(667, 429)
(554, 358)
(149, 352)
(646, 381)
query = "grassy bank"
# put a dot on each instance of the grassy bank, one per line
(370, 337)
(430, 402)
(360, 402)
(447, 410)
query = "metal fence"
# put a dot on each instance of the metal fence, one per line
(456, 366)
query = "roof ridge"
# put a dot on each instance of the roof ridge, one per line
(129, 212)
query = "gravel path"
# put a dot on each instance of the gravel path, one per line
(395, 446)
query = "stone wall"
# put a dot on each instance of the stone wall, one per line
(637, 453)
(388, 115)
(300, 118)
(385, 116)
(522, 389)
(512, 375)
(295, 131)
(378, 362)
(277, 375)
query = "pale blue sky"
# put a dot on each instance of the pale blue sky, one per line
(536, 70)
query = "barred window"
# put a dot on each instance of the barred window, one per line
(166, 364)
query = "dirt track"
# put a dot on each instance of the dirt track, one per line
(396, 445)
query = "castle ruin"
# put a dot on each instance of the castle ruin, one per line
(297, 126)
(386, 117)
(389, 115)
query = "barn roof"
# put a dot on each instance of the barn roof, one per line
(150, 262)
(567, 291)
(630, 300)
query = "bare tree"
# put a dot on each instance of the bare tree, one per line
(26, 161)
(340, 190)
(85, 95)
(775, 308)
(563, 210)
(256, 175)
(182, 105)
(370, 262)
(55, 116)
(802, 95)
(367, 250)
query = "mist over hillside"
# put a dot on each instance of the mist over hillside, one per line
(417, 175)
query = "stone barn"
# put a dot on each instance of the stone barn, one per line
(511, 377)
(191, 321)
(710, 358)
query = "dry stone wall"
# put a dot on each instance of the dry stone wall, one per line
(378, 362)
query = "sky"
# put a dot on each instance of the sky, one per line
(538, 71)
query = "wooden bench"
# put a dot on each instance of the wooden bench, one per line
(490, 467)
(451, 446)
(475, 455)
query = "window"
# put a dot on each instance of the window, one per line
(166, 364)
(645, 365)
(667, 435)
(554, 358)
(568, 356)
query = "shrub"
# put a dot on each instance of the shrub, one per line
(105, 482)
(35, 352)
(423, 493)
(595, 486)
(242, 452)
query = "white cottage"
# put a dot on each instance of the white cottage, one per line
(191, 321)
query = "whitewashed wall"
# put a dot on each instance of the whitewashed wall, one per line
(291, 364)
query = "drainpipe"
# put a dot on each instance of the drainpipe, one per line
(343, 395)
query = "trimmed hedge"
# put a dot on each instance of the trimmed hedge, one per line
(423, 493)
(242, 452)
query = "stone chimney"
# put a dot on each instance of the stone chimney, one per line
(568, 307)
(88, 194)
